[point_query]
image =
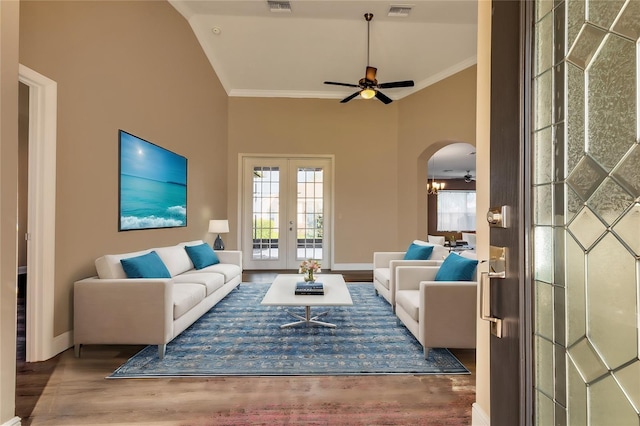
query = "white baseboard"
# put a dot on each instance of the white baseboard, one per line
(62, 342)
(13, 422)
(478, 416)
(352, 267)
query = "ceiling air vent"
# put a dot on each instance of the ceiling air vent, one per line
(279, 6)
(399, 10)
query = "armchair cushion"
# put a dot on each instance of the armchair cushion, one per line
(418, 252)
(457, 268)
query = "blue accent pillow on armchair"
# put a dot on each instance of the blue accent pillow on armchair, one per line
(456, 268)
(202, 255)
(418, 252)
(146, 266)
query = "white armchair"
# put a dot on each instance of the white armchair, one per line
(440, 314)
(385, 264)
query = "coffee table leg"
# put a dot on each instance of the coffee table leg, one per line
(307, 319)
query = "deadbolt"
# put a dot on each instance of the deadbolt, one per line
(497, 217)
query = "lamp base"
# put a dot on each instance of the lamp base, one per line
(218, 244)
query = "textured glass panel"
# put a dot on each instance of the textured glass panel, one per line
(586, 177)
(629, 228)
(559, 308)
(544, 410)
(559, 198)
(558, 93)
(603, 12)
(544, 104)
(544, 37)
(575, 10)
(609, 406)
(559, 152)
(612, 302)
(542, 156)
(544, 310)
(587, 361)
(577, 390)
(629, 22)
(543, 249)
(266, 202)
(542, 8)
(574, 203)
(586, 228)
(560, 380)
(628, 172)
(576, 298)
(612, 101)
(559, 42)
(544, 360)
(610, 201)
(585, 45)
(629, 378)
(575, 117)
(544, 206)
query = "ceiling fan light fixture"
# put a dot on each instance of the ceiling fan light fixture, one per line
(367, 93)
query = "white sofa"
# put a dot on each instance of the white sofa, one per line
(112, 309)
(385, 264)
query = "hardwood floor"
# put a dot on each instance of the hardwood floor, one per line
(70, 391)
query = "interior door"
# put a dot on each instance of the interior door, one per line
(286, 211)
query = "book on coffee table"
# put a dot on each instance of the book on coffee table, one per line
(309, 288)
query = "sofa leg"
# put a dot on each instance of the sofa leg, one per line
(426, 352)
(162, 349)
(376, 290)
(76, 350)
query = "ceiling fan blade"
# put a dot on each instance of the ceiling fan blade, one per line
(370, 74)
(348, 98)
(341, 84)
(406, 83)
(384, 98)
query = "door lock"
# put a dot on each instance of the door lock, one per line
(498, 217)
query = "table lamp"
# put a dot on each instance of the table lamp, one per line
(218, 227)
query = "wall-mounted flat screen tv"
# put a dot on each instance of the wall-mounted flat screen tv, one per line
(153, 185)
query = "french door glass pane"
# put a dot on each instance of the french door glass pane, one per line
(309, 231)
(266, 212)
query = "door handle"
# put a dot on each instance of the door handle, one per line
(485, 300)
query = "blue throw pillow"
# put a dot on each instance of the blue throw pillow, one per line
(146, 266)
(202, 255)
(456, 268)
(418, 252)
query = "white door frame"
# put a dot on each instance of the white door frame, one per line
(43, 95)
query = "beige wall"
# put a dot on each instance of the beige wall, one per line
(127, 65)
(9, 11)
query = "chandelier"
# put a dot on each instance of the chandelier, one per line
(434, 187)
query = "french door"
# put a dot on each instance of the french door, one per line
(286, 211)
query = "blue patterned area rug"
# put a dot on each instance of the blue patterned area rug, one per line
(239, 336)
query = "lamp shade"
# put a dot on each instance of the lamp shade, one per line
(218, 226)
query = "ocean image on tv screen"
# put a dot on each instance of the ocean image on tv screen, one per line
(153, 185)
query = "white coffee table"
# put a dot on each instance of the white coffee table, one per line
(282, 293)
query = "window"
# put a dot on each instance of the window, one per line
(456, 211)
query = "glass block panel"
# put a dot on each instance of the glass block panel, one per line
(608, 405)
(577, 393)
(544, 360)
(612, 101)
(575, 11)
(586, 228)
(544, 410)
(544, 101)
(610, 201)
(544, 37)
(628, 172)
(543, 197)
(586, 45)
(612, 302)
(603, 12)
(587, 361)
(629, 22)
(576, 296)
(629, 228)
(543, 253)
(544, 310)
(543, 154)
(586, 177)
(629, 379)
(575, 138)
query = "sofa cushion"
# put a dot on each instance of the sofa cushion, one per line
(185, 297)
(382, 276)
(229, 270)
(175, 259)
(202, 255)
(210, 280)
(146, 266)
(456, 268)
(109, 266)
(418, 252)
(409, 300)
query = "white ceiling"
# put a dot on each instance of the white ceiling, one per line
(453, 161)
(259, 53)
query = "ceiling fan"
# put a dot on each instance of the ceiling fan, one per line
(468, 178)
(368, 86)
